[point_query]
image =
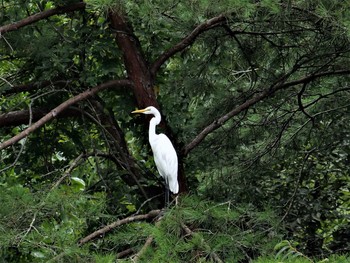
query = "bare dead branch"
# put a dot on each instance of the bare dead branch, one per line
(187, 41)
(108, 228)
(42, 15)
(53, 113)
(125, 252)
(148, 242)
(250, 102)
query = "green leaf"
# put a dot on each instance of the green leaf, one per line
(38, 254)
(78, 183)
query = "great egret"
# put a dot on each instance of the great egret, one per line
(163, 151)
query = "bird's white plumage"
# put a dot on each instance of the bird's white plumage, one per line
(164, 152)
(166, 160)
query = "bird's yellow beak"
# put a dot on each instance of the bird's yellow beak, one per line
(139, 111)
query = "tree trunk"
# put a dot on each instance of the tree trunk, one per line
(135, 64)
(139, 73)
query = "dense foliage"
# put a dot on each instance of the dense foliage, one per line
(254, 96)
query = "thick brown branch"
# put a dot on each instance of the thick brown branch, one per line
(42, 15)
(187, 41)
(15, 118)
(53, 113)
(262, 95)
(106, 229)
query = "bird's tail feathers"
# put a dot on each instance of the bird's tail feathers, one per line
(174, 186)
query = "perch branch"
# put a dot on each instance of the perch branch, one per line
(125, 252)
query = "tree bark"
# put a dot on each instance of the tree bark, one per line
(134, 61)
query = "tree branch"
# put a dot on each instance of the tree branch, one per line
(148, 242)
(106, 229)
(187, 41)
(53, 113)
(259, 97)
(15, 118)
(42, 15)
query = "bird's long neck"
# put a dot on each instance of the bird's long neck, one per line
(152, 125)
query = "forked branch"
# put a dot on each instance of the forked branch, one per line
(187, 41)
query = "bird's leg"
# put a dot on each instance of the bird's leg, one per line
(166, 195)
(176, 200)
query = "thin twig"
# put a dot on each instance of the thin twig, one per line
(67, 173)
(145, 202)
(1, 36)
(24, 140)
(7, 82)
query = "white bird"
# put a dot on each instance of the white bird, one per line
(164, 152)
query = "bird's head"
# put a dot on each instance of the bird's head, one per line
(148, 110)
